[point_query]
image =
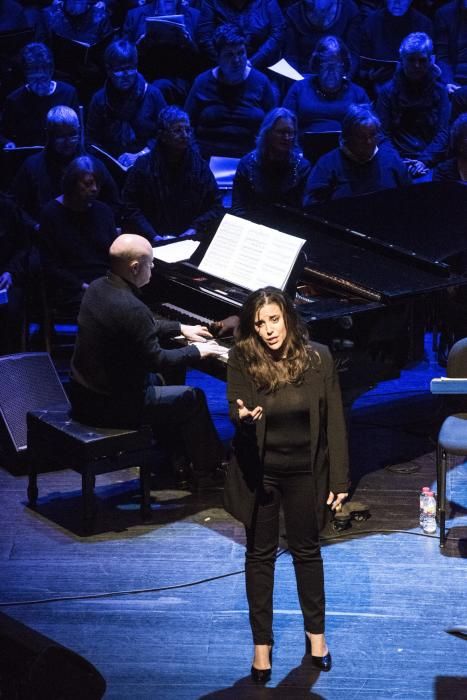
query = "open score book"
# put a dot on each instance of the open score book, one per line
(251, 255)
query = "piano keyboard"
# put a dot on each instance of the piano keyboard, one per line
(176, 313)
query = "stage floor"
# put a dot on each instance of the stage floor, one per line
(176, 626)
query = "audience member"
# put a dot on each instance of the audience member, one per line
(310, 20)
(12, 16)
(383, 32)
(275, 172)
(123, 114)
(75, 234)
(260, 21)
(227, 103)
(414, 107)
(359, 166)
(455, 168)
(171, 192)
(14, 249)
(451, 42)
(134, 27)
(321, 100)
(40, 177)
(79, 20)
(25, 110)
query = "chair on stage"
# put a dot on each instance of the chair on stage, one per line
(452, 438)
(39, 431)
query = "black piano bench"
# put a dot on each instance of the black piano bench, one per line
(55, 441)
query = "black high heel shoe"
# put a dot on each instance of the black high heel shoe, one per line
(260, 675)
(324, 663)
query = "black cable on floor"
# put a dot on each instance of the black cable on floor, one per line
(136, 591)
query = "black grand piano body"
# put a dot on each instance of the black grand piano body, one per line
(376, 264)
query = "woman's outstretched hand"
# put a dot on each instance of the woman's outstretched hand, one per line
(246, 415)
(336, 501)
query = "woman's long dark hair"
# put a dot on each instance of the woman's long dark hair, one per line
(266, 372)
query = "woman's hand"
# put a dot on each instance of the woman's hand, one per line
(246, 415)
(337, 501)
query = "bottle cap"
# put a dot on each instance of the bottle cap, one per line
(430, 493)
(425, 489)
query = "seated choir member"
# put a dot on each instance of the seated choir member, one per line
(75, 233)
(79, 20)
(171, 191)
(414, 107)
(455, 169)
(227, 103)
(308, 21)
(451, 43)
(172, 61)
(39, 179)
(360, 165)
(382, 33)
(14, 251)
(260, 21)
(275, 172)
(12, 16)
(321, 100)
(123, 114)
(25, 109)
(118, 353)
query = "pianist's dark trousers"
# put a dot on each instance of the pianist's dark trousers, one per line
(180, 417)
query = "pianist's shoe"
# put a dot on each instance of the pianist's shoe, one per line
(205, 481)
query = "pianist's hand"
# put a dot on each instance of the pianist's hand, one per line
(246, 415)
(195, 334)
(209, 348)
(336, 500)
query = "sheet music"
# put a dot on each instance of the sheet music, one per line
(176, 252)
(284, 68)
(251, 255)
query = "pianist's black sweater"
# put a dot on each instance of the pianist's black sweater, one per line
(118, 344)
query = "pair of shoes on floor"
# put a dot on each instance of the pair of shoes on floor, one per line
(323, 663)
(260, 675)
(351, 510)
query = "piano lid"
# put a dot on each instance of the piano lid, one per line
(426, 223)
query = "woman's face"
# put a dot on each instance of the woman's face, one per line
(331, 71)
(123, 75)
(270, 326)
(86, 188)
(362, 141)
(232, 62)
(415, 65)
(281, 138)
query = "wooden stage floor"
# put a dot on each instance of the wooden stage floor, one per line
(176, 626)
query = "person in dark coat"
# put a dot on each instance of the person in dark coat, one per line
(451, 43)
(275, 172)
(78, 20)
(414, 107)
(40, 177)
(122, 115)
(171, 192)
(360, 165)
(455, 169)
(25, 109)
(14, 254)
(321, 100)
(290, 449)
(74, 236)
(227, 103)
(118, 363)
(308, 21)
(260, 21)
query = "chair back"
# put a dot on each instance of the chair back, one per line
(28, 381)
(457, 359)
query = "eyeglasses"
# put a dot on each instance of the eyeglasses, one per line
(124, 70)
(180, 130)
(285, 133)
(68, 138)
(331, 67)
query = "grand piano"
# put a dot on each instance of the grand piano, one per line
(375, 269)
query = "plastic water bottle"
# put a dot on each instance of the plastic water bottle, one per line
(429, 520)
(423, 493)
